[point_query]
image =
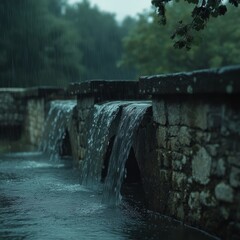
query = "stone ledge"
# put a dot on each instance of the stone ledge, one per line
(106, 89)
(15, 92)
(225, 80)
(34, 92)
(44, 92)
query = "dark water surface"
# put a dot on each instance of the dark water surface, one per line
(40, 199)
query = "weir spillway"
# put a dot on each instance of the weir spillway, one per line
(56, 127)
(183, 149)
(118, 121)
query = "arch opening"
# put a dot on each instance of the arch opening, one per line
(132, 171)
(66, 148)
(132, 187)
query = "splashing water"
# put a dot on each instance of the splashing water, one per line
(43, 200)
(104, 118)
(131, 118)
(55, 127)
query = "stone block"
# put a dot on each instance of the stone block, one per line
(215, 120)
(194, 200)
(173, 131)
(161, 136)
(184, 136)
(224, 192)
(194, 206)
(225, 213)
(179, 181)
(177, 165)
(176, 156)
(220, 168)
(85, 103)
(178, 160)
(212, 149)
(167, 159)
(201, 166)
(173, 144)
(234, 160)
(173, 113)
(194, 115)
(207, 199)
(235, 177)
(159, 113)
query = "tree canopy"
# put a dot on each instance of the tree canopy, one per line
(36, 45)
(50, 42)
(149, 49)
(202, 11)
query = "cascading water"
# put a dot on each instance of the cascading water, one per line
(42, 200)
(55, 127)
(131, 118)
(104, 116)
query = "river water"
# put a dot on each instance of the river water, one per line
(42, 199)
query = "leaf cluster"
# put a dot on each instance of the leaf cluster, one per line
(202, 12)
(149, 49)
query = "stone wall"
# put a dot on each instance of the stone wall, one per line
(37, 106)
(12, 113)
(22, 111)
(194, 173)
(34, 121)
(187, 147)
(84, 110)
(88, 94)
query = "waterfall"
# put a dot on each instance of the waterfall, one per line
(55, 127)
(131, 117)
(104, 117)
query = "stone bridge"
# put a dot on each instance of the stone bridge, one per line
(187, 148)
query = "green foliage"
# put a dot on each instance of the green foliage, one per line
(32, 44)
(201, 13)
(49, 42)
(148, 47)
(100, 41)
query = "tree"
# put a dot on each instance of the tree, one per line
(50, 42)
(100, 41)
(36, 45)
(149, 50)
(203, 10)
(64, 58)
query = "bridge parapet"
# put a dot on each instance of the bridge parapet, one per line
(92, 92)
(22, 111)
(195, 174)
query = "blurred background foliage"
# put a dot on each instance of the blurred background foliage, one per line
(150, 50)
(50, 42)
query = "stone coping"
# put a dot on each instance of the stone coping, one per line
(106, 89)
(43, 91)
(34, 92)
(225, 80)
(16, 92)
